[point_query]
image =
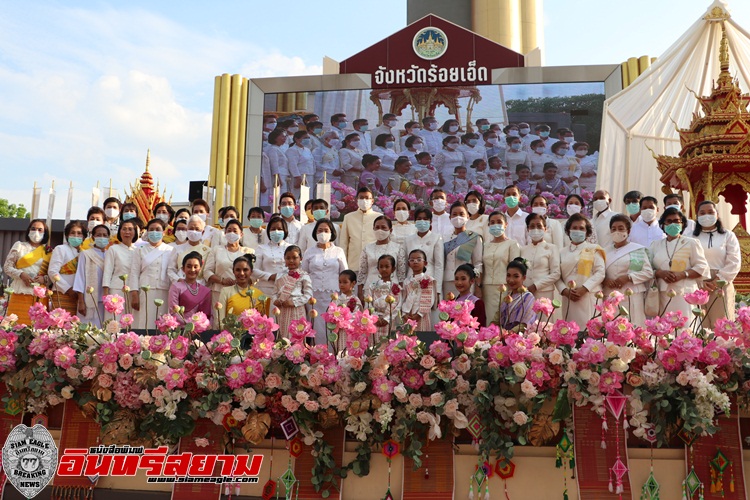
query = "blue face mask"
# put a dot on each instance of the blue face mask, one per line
(319, 214)
(364, 128)
(497, 230)
(511, 201)
(154, 236)
(276, 236)
(422, 226)
(101, 242)
(287, 211)
(472, 142)
(75, 241)
(673, 229)
(128, 216)
(389, 144)
(544, 134)
(317, 131)
(633, 208)
(306, 142)
(221, 222)
(341, 125)
(256, 223)
(577, 236)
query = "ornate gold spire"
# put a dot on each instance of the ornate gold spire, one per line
(724, 50)
(148, 158)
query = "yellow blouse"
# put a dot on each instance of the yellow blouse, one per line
(235, 300)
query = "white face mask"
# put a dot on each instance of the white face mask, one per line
(202, 216)
(381, 234)
(570, 140)
(513, 133)
(648, 214)
(473, 208)
(524, 130)
(333, 142)
(539, 210)
(539, 150)
(111, 213)
(418, 146)
(459, 221)
(432, 126)
(451, 145)
(536, 234)
(678, 207)
(324, 237)
(180, 235)
(573, 209)
(194, 235)
(402, 215)
(600, 205)
(493, 140)
(364, 204)
(438, 205)
(36, 237)
(93, 223)
(354, 144)
(619, 236)
(453, 129)
(392, 123)
(707, 220)
(164, 218)
(232, 237)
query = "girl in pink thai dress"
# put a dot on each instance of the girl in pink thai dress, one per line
(418, 292)
(293, 290)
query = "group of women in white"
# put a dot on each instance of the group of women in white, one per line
(500, 259)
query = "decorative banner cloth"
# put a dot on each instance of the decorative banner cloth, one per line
(7, 423)
(303, 467)
(729, 441)
(215, 435)
(440, 483)
(78, 431)
(593, 463)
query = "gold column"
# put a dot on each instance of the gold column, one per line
(214, 132)
(239, 187)
(499, 20)
(301, 101)
(223, 143)
(530, 13)
(234, 125)
(632, 69)
(643, 63)
(625, 75)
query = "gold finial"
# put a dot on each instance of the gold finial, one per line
(717, 13)
(724, 50)
(653, 153)
(148, 158)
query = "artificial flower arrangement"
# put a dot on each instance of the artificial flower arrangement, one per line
(248, 378)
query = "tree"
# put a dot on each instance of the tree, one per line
(10, 210)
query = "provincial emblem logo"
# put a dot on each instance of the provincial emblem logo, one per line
(430, 43)
(29, 459)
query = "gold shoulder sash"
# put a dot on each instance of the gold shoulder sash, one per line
(33, 257)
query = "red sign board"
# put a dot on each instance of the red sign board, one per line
(432, 52)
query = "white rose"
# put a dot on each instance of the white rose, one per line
(627, 354)
(618, 365)
(360, 386)
(556, 357)
(67, 392)
(520, 369)
(520, 418)
(585, 374)
(400, 392)
(302, 397)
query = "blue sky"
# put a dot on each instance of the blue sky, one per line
(87, 87)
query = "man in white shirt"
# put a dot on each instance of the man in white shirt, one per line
(566, 135)
(543, 132)
(356, 230)
(326, 157)
(433, 139)
(516, 229)
(338, 123)
(603, 212)
(646, 228)
(441, 219)
(361, 127)
(526, 137)
(632, 201)
(675, 200)
(287, 206)
(315, 131)
(389, 128)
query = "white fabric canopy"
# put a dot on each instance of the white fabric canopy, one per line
(639, 115)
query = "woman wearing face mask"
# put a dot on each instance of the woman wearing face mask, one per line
(180, 234)
(218, 268)
(112, 213)
(538, 157)
(448, 159)
(413, 145)
(149, 268)
(412, 129)
(350, 157)
(574, 204)
(27, 265)
(326, 158)
(324, 262)
(472, 148)
(543, 260)
(89, 274)
(383, 245)
(385, 149)
(299, 160)
(192, 242)
(461, 247)
(277, 158)
(679, 263)
(588, 165)
(63, 265)
(478, 220)
(165, 213)
(430, 242)
(581, 271)
(627, 267)
(403, 228)
(568, 168)
(118, 260)
(493, 145)
(724, 259)
(254, 234)
(450, 128)
(270, 256)
(553, 229)
(129, 211)
(217, 238)
(497, 253)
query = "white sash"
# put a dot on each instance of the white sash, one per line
(618, 253)
(161, 251)
(94, 264)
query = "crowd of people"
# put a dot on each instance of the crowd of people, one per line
(501, 260)
(423, 155)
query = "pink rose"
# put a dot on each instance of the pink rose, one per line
(126, 361)
(355, 363)
(311, 406)
(273, 381)
(105, 380)
(427, 361)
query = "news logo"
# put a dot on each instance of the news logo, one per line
(29, 459)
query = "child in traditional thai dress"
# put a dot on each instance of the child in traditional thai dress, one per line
(517, 303)
(293, 290)
(464, 279)
(188, 292)
(419, 292)
(88, 279)
(387, 309)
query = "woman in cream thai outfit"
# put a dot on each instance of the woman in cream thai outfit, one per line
(543, 259)
(498, 252)
(88, 277)
(27, 265)
(627, 267)
(149, 268)
(582, 266)
(117, 261)
(194, 242)
(63, 265)
(724, 259)
(679, 263)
